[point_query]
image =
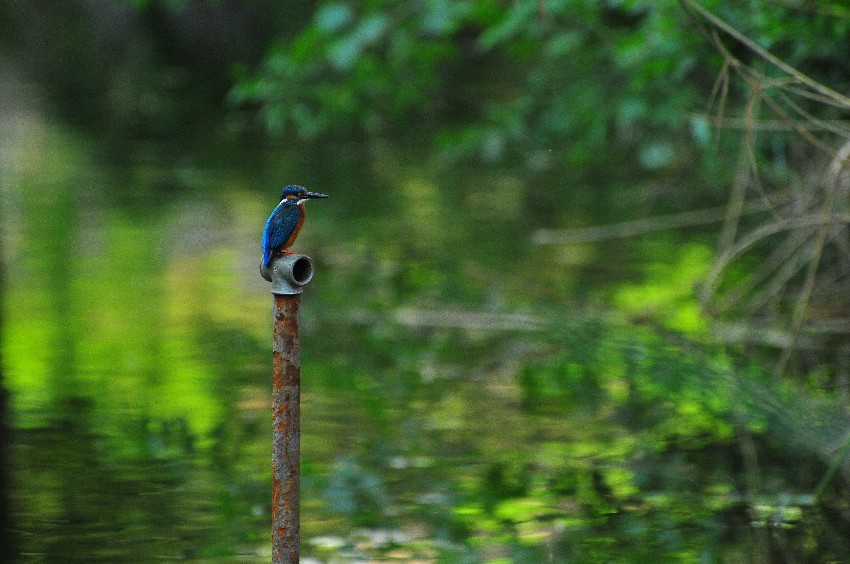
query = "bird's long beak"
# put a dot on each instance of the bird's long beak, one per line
(314, 195)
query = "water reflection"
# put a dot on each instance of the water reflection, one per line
(454, 407)
(136, 347)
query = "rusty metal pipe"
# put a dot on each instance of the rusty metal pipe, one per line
(286, 406)
(288, 275)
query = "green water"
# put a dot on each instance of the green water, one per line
(137, 342)
(467, 395)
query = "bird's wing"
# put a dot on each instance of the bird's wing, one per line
(279, 227)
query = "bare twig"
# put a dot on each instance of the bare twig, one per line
(780, 125)
(816, 86)
(836, 167)
(636, 227)
(781, 264)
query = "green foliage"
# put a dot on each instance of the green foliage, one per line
(596, 91)
(353, 67)
(668, 293)
(370, 67)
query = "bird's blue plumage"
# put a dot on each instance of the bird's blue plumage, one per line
(279, 228)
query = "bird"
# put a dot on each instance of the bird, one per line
(286, 220)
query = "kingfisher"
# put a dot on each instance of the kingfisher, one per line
(286, 220)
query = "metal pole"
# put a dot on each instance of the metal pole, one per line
(288, 275)
(286, 458)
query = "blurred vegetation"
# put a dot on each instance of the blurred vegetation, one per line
(579, 293)
(577, 83)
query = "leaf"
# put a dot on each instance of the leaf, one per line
(333, 17)
(509, 28)
(344, 53)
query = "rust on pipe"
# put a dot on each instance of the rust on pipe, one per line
(286, 457)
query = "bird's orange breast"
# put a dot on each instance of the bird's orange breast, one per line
(297, 229)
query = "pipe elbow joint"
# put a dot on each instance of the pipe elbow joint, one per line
(288, 273)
